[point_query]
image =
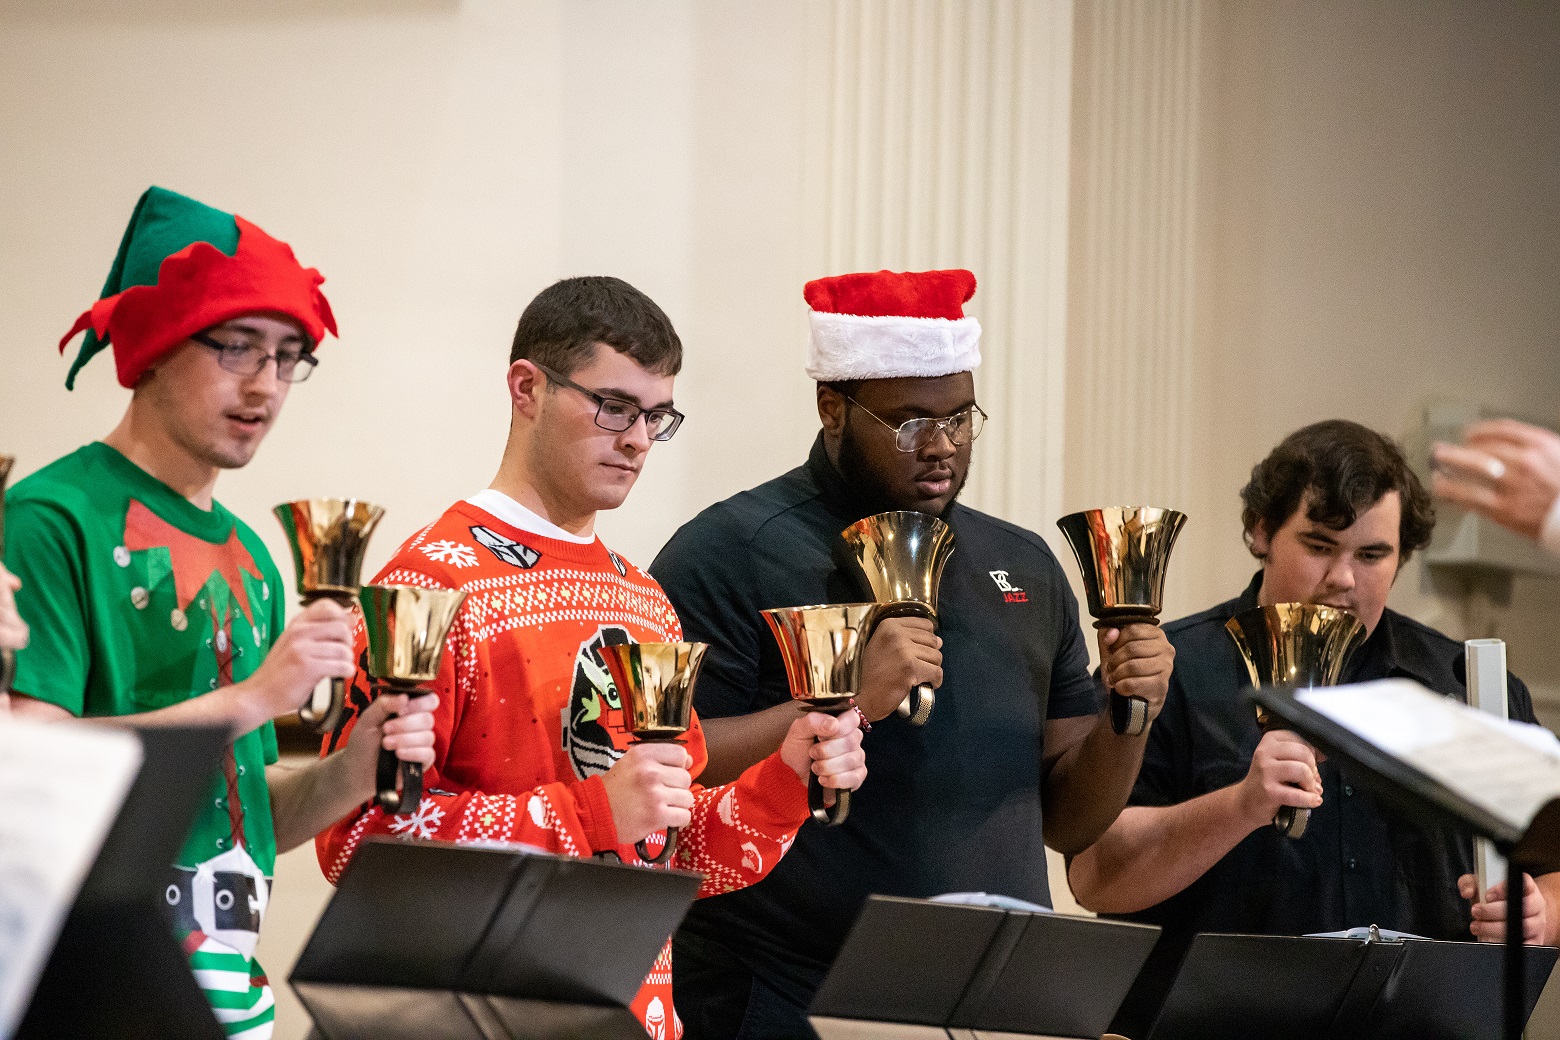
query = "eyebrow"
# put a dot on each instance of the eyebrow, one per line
(633, 399)
(915, 411)
(1321, 535)
(239, 326)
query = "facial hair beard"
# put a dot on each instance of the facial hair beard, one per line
(869, 492)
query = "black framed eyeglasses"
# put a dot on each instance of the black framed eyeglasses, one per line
(915, 434)
(250, 359)
(617, 415)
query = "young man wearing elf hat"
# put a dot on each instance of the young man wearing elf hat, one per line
(147, 598)
(530, 737)
(1016, 755)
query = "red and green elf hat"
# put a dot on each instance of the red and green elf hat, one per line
(183, 267)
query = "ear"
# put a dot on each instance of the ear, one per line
(831, 411)
(526, 384)
(1258, 541)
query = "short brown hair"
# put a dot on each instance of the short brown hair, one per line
(561, 327)
(1346, 469)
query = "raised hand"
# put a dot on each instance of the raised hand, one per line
(903, 653)
(1135, 661)
(1489, 913)
(1283, 772)
(648, 789)
(400, 724)
(827, 746)
(1507, 470)
(316, 645)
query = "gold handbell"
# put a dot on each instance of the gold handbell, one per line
(329, 537)
(821, 647)
(655, 686)
(900, 557)
(7, 655)
(407, 628)
(1294, 644)
(1123, 553)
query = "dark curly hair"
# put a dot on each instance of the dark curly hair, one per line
(1345, 469)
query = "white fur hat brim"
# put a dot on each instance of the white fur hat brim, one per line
(850, 346)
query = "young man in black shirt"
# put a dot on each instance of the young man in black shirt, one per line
(1332, 513)
(1017, 754)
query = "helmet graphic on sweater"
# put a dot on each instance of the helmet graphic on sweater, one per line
(593, 706)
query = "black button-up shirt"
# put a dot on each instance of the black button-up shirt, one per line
(954, 805)
(1360, 862)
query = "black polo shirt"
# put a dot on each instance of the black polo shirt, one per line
(954, 805)
(1360, 862)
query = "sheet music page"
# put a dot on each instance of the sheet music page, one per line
(61, 786)
(1510, 769)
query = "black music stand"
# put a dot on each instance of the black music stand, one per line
(1275, 987)
(1534, 850)
(117, 972)
(914, 970)
(432, 939)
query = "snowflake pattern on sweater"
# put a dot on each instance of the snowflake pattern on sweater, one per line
(529, 719)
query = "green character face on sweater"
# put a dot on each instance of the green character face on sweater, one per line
(594, 707)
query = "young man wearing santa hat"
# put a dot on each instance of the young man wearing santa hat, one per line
(531, 741)
(147, 598)
(1017, 753)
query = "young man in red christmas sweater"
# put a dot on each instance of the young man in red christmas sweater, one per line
(529, 738)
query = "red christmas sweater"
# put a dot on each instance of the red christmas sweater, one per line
(528, 719)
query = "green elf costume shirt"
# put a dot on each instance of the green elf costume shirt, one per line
(138, 600)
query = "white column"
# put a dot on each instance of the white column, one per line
(1134, 245)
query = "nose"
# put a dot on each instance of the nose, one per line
(636, 439)
(265, 382)
(940, 447)
(1340, 575)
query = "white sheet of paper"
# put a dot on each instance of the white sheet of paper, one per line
(61, 785)
(1510, 769)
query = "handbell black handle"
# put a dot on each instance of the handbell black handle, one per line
(828, 815)
(666, 850)
(404, 798)
(401, 798)
(917, 706)
(322, 718)
(1291, 821)
(1128, 715)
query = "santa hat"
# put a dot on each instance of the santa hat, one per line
(888, 324)
(183, 267)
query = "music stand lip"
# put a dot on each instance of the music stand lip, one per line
(1397, 776)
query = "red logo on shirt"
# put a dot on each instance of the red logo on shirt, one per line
(1010, 593)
